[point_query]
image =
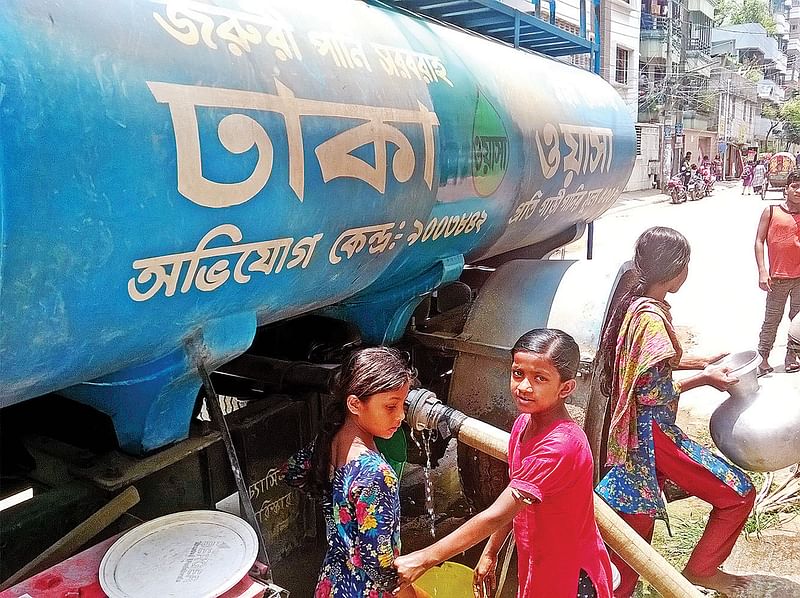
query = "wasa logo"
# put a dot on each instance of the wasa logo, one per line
(489, 148)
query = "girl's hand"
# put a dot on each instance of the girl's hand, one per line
(718, 378)
(484, 581)
(411, 566)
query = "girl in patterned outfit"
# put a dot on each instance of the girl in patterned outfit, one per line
(549, 498)
(358, 489)
(645, 446)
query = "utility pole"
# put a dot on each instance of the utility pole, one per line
(725, 128)
(669, 119)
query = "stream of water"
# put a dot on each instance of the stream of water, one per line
(424, 444)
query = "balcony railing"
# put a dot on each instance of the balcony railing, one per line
(658, 26)
(699, 45)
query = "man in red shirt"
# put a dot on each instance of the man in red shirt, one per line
(779, 228)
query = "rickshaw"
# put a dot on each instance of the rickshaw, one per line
(778, 169)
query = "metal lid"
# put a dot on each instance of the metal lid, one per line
(201, 554)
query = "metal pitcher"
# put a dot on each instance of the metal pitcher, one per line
(758, 426)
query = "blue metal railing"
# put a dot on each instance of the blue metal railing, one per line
(495, 19)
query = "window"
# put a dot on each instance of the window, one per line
(638, 140)
(621, 75)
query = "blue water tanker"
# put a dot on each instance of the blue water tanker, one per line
(190, 170)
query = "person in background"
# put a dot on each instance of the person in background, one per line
(718, 167)
(779, 228)
(358, 489)
(549, 498)
(686, 169)
(646, 448)
(760, 178)
(747, 178)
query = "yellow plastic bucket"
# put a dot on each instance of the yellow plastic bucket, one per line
(449, 580)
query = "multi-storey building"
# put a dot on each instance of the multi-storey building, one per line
(761, 57)
(738, 109)
(787, 22)
(696, 98)
(675, 66)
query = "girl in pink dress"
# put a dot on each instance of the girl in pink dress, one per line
(549, 499)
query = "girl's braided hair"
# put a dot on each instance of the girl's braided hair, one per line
(661, 253)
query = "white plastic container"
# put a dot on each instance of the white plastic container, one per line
(192, 554)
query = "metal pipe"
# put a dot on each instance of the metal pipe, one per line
(425, 411)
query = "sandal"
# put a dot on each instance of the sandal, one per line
(791, 363)
(763, 371)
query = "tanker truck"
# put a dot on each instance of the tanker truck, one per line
(275, 183)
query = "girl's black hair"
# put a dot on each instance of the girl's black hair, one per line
(364, 373)
(557, 345)
(661, 253)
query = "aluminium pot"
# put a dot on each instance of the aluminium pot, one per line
(758, 426)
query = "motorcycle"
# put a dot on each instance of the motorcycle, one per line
(696, 187)
(708, 180)
(676, 190)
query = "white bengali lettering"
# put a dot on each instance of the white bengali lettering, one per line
(238, 133)
(205, 272)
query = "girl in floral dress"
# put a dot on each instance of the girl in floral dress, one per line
(645, 446)
(358, 489)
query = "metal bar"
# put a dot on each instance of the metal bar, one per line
(516, 31)
(552, 16)
(506, 27)
(548, 44)
(596, 28)
(531, 35)
(480, 22)
(498, 6)
(447, 342)
(568, 51)
(442, 4)
(113, 471)
(458, 13)
(590, 241)
(197, 350)
(555, 50)
(583, 18)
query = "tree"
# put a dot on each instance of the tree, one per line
(791, 115)
(786, 117)
(724, 11)
(736, 12)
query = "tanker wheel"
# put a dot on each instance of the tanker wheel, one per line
(483, 478)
